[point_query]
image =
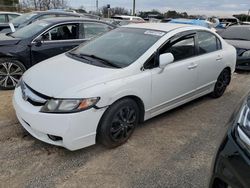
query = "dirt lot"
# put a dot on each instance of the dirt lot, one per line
(172, 150)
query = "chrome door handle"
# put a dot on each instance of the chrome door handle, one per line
(219, 59)
(192, 66)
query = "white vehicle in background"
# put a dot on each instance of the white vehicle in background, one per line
(103, 89)
(132, 19)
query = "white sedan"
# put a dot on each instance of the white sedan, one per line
(101, 90)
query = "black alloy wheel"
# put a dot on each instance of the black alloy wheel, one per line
(118, 123)
(222, 83)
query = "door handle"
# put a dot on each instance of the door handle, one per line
(192, 66)
(219, 58)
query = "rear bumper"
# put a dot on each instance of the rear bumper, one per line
(77, 130)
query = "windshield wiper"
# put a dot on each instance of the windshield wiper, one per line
(79, 56)
(102, 60)
(10, 35)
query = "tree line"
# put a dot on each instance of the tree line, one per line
(43, 4)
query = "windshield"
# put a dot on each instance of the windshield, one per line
(121, 47)
(236, 33)
(30, 30)
(23, 18)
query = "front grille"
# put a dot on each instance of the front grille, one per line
(33, 97)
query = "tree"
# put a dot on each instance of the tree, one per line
(45, 4)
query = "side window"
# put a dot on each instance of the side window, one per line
(181, 48)
(207, 42)
(92, 30)
(62, 32)
(2, 18)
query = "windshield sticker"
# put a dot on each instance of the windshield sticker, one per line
(155, 33)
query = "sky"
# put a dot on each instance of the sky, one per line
(207, 7)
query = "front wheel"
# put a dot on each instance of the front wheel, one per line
(118, 123)
(11, 71)
(221, 84)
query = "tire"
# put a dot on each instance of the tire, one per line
(118, 123)
(221, 84)
(11, 71)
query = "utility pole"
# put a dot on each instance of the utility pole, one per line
(97, 7)
(133, 8)
(248, 14)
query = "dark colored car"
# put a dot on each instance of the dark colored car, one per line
(232, 162)
(41, 40)
(239, 37)
(31, 17)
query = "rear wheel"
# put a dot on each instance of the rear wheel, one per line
(221, 84)
(11, 71)
(118, 123)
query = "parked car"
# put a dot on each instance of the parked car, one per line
(101, 90)
(239, 37)
(231, 166)
(6, 17)
(31, 17)
(41, 40)
(130, 19)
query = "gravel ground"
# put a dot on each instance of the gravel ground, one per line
(174, 149)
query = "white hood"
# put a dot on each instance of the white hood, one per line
(57, 75)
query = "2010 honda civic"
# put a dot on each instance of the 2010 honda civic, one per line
(101, 90)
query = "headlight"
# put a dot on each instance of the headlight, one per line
(246, 54)
(69, 105)
(243, 128)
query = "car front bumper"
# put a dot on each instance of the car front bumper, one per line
(77, 130)
(232, 165)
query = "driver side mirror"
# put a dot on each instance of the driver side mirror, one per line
(38, 41)
(165, 59)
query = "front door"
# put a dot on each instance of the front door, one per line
(178, 81)
(57, 40)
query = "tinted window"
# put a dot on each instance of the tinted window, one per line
(207, 42)
(181, 48)
(121, 46)
(2, 18)
(92, 30)
(237, 33)
(62, 32)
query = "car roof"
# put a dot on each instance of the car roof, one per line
(55, 12)
(166, 27)
(72, 19)
(10, 13)
(244, 26)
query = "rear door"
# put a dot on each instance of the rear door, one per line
(211, 55)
